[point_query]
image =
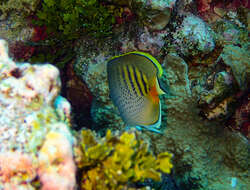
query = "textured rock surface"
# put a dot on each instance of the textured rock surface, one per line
(13, 19)
(194, 36)
(144, 40)
(91, 66)
(203, 63)
(177, 75)
(157, 4)
(207, 155)
(229, 33)
(31, 132)
(155, 13)
(238, 59)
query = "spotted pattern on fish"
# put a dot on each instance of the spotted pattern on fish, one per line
(133, 88)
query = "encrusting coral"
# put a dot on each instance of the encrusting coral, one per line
(115, 162)
(32, 130)
(56, 165)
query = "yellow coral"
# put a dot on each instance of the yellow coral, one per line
(163, 162)
(113, 162)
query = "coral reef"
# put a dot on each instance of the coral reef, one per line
(56, 165)
(215, 101)
(157, 4)
(63, 109)
(238, 59)
(177, 73)
(203, 47)
(13, 23)
(228, 33)
(20, 51)
(114, 162)
(147, 41)
(194, 54)
(92, 69)
(194, 142)
(13, 163)
(16, 27)
(31, 127)
(155, 14)
(240, 120)
(70, 18)
(227, 85)
(221, 87)
(212, 10)
(193, 37)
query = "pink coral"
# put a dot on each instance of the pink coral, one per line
(35, 145)
(56, 165)
(13, 163)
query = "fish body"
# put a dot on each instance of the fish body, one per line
(134, 88)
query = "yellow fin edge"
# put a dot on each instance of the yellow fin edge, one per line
(158, 88)
(147, 55)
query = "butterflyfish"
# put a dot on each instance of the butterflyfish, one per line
(134, 86)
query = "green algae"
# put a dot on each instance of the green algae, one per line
(73, 17)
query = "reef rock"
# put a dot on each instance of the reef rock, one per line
(158, 12)
(215, 102)
(238, 59)
(177, 75)
(32, 131)
(13, 19)
(193, 37)
(154, 13)
(145, 40)
(207, 156)
(228, 33)
(91, 67)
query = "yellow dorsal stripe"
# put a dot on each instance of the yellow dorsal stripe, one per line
(143, 88)
(144, 78)
(132, 74)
